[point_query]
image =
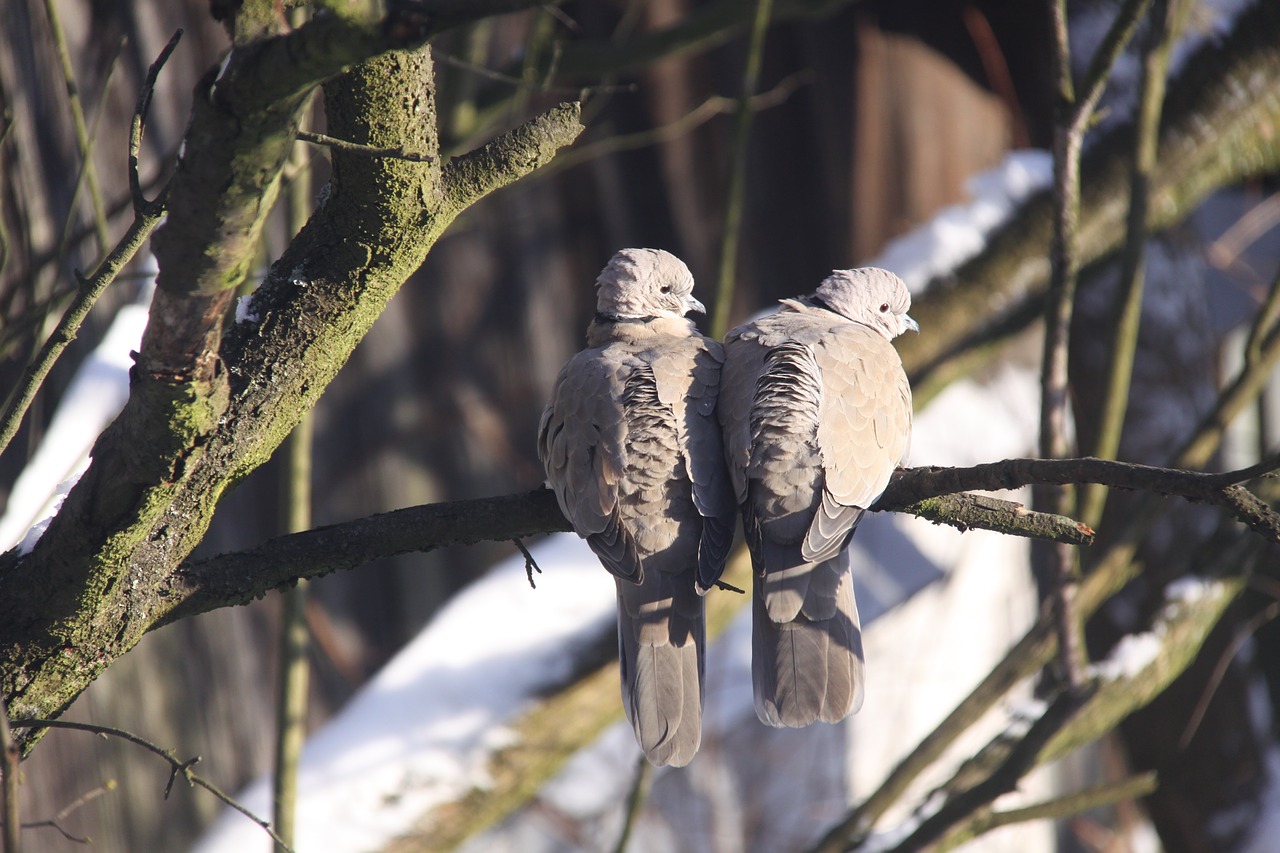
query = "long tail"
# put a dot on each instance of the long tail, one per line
(661, 637)
(810, 666)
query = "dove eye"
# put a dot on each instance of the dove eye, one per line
(884, 308)
(666, 288)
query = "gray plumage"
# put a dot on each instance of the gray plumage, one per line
(634, 454)
(816, 413)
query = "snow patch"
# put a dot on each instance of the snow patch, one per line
(959, 232)
(96, 394)
(245, 312)
(1133, 654)
(422, 731)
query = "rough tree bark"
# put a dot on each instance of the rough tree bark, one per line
(207, 407)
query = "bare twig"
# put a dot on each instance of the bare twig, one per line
(16, 406)
(10, 755)
(1261, 218)
(1128, 304)
(738, 171)
(1021, 758)
(55, 822)
(1242, 635)
(140, 204)
(981, 512)
(177, 767)
(294, 674)
(100, 220)
(1265, 323)
(911, 485)
(713, 106)
(530, 564)
(499, 77)
(635, 800)
(357, 148)
(81, 126)
(147, 217)
(1098, 796)
(1056, 566)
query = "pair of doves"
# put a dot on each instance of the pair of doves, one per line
(656, 437)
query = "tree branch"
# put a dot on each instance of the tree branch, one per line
(242, 576)
(101, 576)
(177, 767)
(1219, 489)
(147, 215)
(513, 155)
(1020, 759)
(1096, 797)
(1221, 123)
(237, 578)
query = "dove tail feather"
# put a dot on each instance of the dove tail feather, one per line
(660, 646)
(807, 669)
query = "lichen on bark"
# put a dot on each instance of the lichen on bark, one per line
(104, 574)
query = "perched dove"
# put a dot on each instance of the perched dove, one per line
(816, 412)
(633, 451)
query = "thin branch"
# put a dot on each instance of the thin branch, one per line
(83, 140)
(1096, 797)
(738, 171)
(140, 204)
(294, 674)
(1021, 758)
(177, 767)
(530, 564)
(1224, 252)
(358, 148)
(10, 805)
(33, 377)
(912, 484)
(100, 218)
(1242, 635)
(55, 822)
(635, 801)
(1057, 572)
(1267, 321)
(1244, 389)
(1128, 304)
(713, 106)
(146, 217)
(520, 83)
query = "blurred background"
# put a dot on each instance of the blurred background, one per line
(870, 117)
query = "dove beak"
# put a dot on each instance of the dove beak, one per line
(691, 304)
(907, 322)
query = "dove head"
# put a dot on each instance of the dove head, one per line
(871, 296)
(643, 283)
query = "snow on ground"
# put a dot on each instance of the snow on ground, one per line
(95, 396)
(420, 733)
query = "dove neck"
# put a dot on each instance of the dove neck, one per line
(818, 302)
(606, 328)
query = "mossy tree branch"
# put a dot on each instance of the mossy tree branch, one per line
(103, 574)
(1117, 690)
(1220, 125)
(934, 493)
